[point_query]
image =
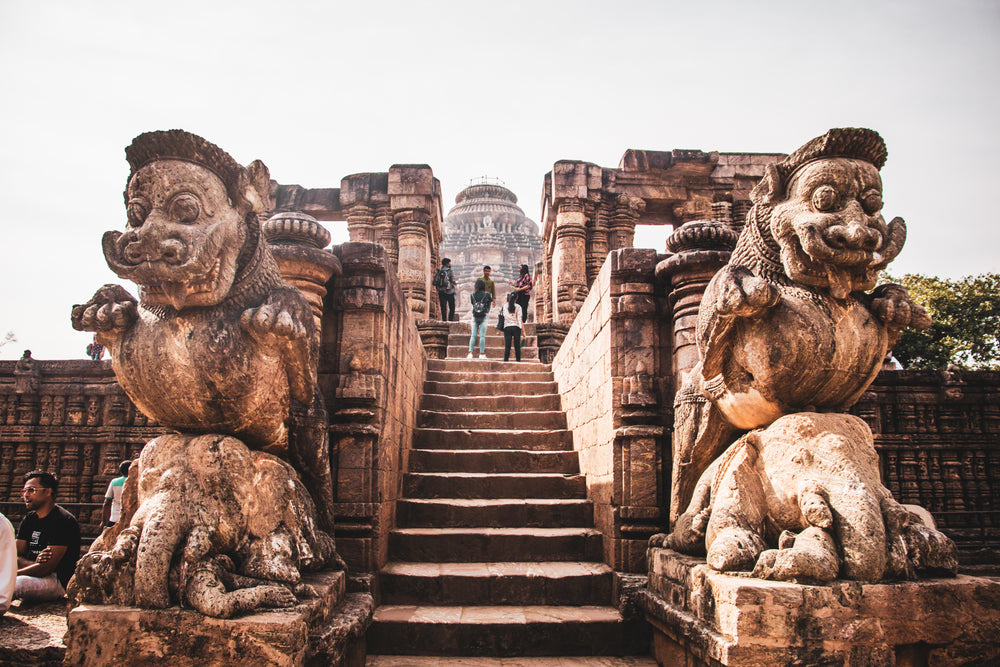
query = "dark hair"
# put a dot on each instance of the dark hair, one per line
(511, 300)
(480, 285)
(123, 467)
(487, 267)
(47, 479)
(524, 269)
(445, 261)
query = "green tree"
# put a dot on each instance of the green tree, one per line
(966, 323)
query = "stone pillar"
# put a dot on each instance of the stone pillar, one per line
(385, 232)
(543, 291)
(569, 261)
(597, 240)
(297, 240)
(414, 259)
(627, 210)
(700, 249)
(361, 222)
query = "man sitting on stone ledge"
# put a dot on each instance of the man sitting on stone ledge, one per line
(48, 541)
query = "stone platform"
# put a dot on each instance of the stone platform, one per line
(702, 617)
(326, 630)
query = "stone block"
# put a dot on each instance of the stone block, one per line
(731, 620)
(112, 635)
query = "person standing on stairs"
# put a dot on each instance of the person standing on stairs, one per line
(512, 327)
(490, 286)
(481, 302)
(522, 288)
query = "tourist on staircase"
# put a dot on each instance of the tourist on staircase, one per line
(512, 327)
(481, 302)
(522, 288)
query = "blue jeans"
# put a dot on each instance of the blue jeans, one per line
(480, 329)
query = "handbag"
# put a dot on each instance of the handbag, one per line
(500, 322)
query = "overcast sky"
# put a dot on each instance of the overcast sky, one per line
(320, 90)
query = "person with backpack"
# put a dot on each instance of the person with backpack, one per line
(481, 302)
(444, 283)
(512, 327)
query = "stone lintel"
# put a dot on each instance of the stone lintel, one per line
(575, 180)
(711, 618)
(412, 179)
(365, 188)
(114, 635)
(321, 203)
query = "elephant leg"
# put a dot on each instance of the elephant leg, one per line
(734, 537)
(860, 532)
(161, 535)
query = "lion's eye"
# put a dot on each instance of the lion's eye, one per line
(824, 198)
(137, 212)
(185, 208)
(871, 201)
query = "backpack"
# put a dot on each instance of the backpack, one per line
(440, 280)
(479, 309)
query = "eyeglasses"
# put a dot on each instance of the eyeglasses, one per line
(31, 489)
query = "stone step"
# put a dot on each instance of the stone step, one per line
(507, 630)
(506, 387)
(493, 337)
(542, 420)
(473, 661)
(464, 328)
(487, 545)
(549, 583)
(494, 512)
(493, 460)
(495, 485)
(493, 351)
(487, 365)
(501, 403)
(481, 438)
(483, 375)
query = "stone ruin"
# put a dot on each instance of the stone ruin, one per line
(753, 479)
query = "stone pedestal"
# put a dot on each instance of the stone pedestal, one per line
(702, 617)
(325, 630)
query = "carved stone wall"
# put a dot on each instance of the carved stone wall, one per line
(938, 437)
(372, 366)
(588, 211)
(70, 418)
(607, 370)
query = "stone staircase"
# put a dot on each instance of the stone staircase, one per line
(495, 553)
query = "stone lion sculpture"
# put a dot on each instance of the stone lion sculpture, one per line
(789, 326)
(215, 344)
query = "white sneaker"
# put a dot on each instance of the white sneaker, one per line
(468, 356)
(482, 356)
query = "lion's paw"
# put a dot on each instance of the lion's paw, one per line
(892, 304)
(111, 308)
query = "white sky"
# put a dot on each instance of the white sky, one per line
(321, 90)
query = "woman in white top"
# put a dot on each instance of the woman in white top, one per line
(513, 317)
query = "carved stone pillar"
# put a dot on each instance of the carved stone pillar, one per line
(701, 248)
(597, 240)
(386, 233)
(543, 292)
(626, 212)
(297, 240)
(414, 259)
(361, 223)
(569, 262)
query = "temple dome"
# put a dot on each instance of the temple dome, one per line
(487, 227)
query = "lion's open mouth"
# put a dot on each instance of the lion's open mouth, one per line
(177, 293)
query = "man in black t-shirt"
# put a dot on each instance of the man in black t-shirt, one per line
(48, 541)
